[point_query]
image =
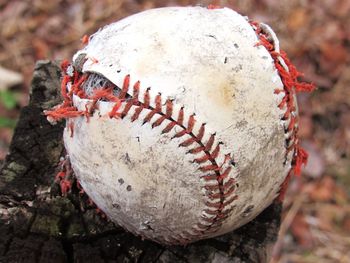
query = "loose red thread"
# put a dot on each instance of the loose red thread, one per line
(65, 177)
(301, 159)
(63, 112)
(292, 85)
(64, 65)
(85, 40)
(66, 109)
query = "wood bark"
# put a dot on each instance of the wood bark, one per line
(37, 224)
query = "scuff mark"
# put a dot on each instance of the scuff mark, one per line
(212, 36)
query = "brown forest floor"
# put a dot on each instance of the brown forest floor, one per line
(316, 226)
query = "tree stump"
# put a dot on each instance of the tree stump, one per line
(39, 225)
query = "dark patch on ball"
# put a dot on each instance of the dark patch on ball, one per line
(121, 181)
(248, 210)
(116, 206)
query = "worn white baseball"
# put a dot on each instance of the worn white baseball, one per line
(200, 145)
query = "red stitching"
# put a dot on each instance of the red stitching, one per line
(210, 142)
(291, 86)
(114, 112)
(209, 177)
(169, 108)
(187, 142)
(214, 187)
(229, 201)
(229, 191)
(169, 127)
(196, 150)
(137, 113)
(225, 174)
(146, 98)
(125, 87)
(202, 159)
(216, 205)
(180, 118)
(159, 121)
(209, 167)
(64, 83)
(158, 101)
(229, 183)
(216, 151)
(63, 113)
(210, 212)
(223, 190)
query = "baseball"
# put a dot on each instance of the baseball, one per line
(181, 121)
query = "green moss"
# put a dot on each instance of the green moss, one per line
(48, 225)
(16, 167)
(95, 224)
(75, 228)
(54, 151)
(12, 170)
(8, 175)
(62, 207)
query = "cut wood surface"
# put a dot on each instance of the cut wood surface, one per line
(37, 224)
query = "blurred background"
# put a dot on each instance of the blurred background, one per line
(315, 34)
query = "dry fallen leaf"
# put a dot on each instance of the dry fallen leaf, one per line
(297, 18)
(322, 191)
(301, 231)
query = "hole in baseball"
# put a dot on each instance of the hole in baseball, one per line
(121, 181)
(97, 82)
